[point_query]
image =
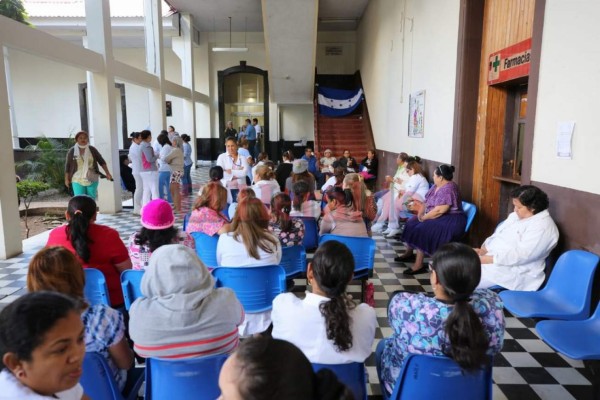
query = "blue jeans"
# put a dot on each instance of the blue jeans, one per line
(186, 180)
(164, 184)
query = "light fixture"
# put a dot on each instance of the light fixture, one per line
(230, 48)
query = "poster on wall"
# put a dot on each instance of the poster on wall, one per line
(416, 114)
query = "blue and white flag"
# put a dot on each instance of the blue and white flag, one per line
(338, 102)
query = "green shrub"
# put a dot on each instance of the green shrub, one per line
(48, 163)
(27, 190)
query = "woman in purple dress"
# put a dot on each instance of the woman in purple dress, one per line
(440, 219)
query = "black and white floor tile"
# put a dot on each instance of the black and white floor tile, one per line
(526, 369)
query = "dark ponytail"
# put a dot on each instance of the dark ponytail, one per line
(280, 208)
(300, 189)
(458, 269)
(81, 211)
(333, 267)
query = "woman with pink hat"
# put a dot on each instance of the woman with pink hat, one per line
(157, 230)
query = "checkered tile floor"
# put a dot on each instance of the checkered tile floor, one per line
(526, 369)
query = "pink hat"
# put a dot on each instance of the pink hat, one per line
(157, 215)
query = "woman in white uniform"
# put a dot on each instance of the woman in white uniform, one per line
(514, 256)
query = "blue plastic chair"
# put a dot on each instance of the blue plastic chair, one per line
(311, 233)
(131, 282)
(98, 381)
(575, 339)
(206, 248)
(363, 250)
(431, 377)
(95, 290)
(352, 375)
(470, 210)
(196, 378)
(255, 287)
(293, 261)
(566, 295)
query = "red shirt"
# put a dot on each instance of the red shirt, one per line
(106, 250)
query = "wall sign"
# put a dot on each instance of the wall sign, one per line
(510, 63)
(416, 114)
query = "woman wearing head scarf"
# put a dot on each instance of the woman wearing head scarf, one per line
(181, 313)
(81, 167)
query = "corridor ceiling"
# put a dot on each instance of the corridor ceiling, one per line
(290, 30)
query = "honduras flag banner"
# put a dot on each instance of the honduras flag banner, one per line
(338, 102)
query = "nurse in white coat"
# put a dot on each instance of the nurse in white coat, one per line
(514, 256)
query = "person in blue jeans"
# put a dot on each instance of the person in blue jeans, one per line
(186, 180)
(164, 171)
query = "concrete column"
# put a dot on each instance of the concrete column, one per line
(10, 229)
(11, 102)
(155, 64)
(183, 46)
(102, 103)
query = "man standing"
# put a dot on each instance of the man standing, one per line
(251, 137)
(259, 136)
(135, 157)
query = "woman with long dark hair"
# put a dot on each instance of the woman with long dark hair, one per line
(302, 205)
(341, 217)
(96, 246)
(459, 321)
(326, 325)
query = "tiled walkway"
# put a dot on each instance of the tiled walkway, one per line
(526, 369)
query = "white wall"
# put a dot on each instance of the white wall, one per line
(427, 62)
(334, 64)
(569, 83)
(297, 122)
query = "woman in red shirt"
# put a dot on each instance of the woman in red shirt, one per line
(96, 246)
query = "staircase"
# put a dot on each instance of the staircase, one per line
(342, 133)
(351, 132)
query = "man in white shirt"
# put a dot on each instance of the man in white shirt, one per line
(135, 158)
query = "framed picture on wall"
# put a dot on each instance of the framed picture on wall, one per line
(416, 114)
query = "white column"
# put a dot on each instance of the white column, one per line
(11, 102)
(102, 113)
(10, 228)
(183, 46)
(155, 64)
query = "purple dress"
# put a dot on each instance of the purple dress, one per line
(430, 234)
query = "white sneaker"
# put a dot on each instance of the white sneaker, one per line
(378, 227)
(392, 232)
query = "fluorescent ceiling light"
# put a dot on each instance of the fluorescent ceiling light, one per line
(230, 48)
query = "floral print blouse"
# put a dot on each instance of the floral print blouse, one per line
(140, 255)
(293, 236)
(205, 220)
(418, 324)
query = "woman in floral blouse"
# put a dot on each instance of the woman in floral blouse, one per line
(290, 231)
(207, 216)
(459, 321)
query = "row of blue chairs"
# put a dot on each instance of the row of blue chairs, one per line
(565, 301)
(421, 377)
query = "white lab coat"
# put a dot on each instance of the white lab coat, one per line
(520, 248)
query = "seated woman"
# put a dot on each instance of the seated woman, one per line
(265, 186)
(416, 185)
(157, 230)
(284, 169)
(42, 348)
(340, 331)
(57, 269)
(327, 163)
(369, 166)
(362, 198)
(335, 180)
(246, 193)
(290, 231)
(271, 369)
(396, 184)
(348, 162)
(340, 217)
(302, 206)
(207, 216)
(514, 256)
(300, 173)
(249, 243)
(181, 313)
(96, 246)
(438, 221)
(459, 321)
